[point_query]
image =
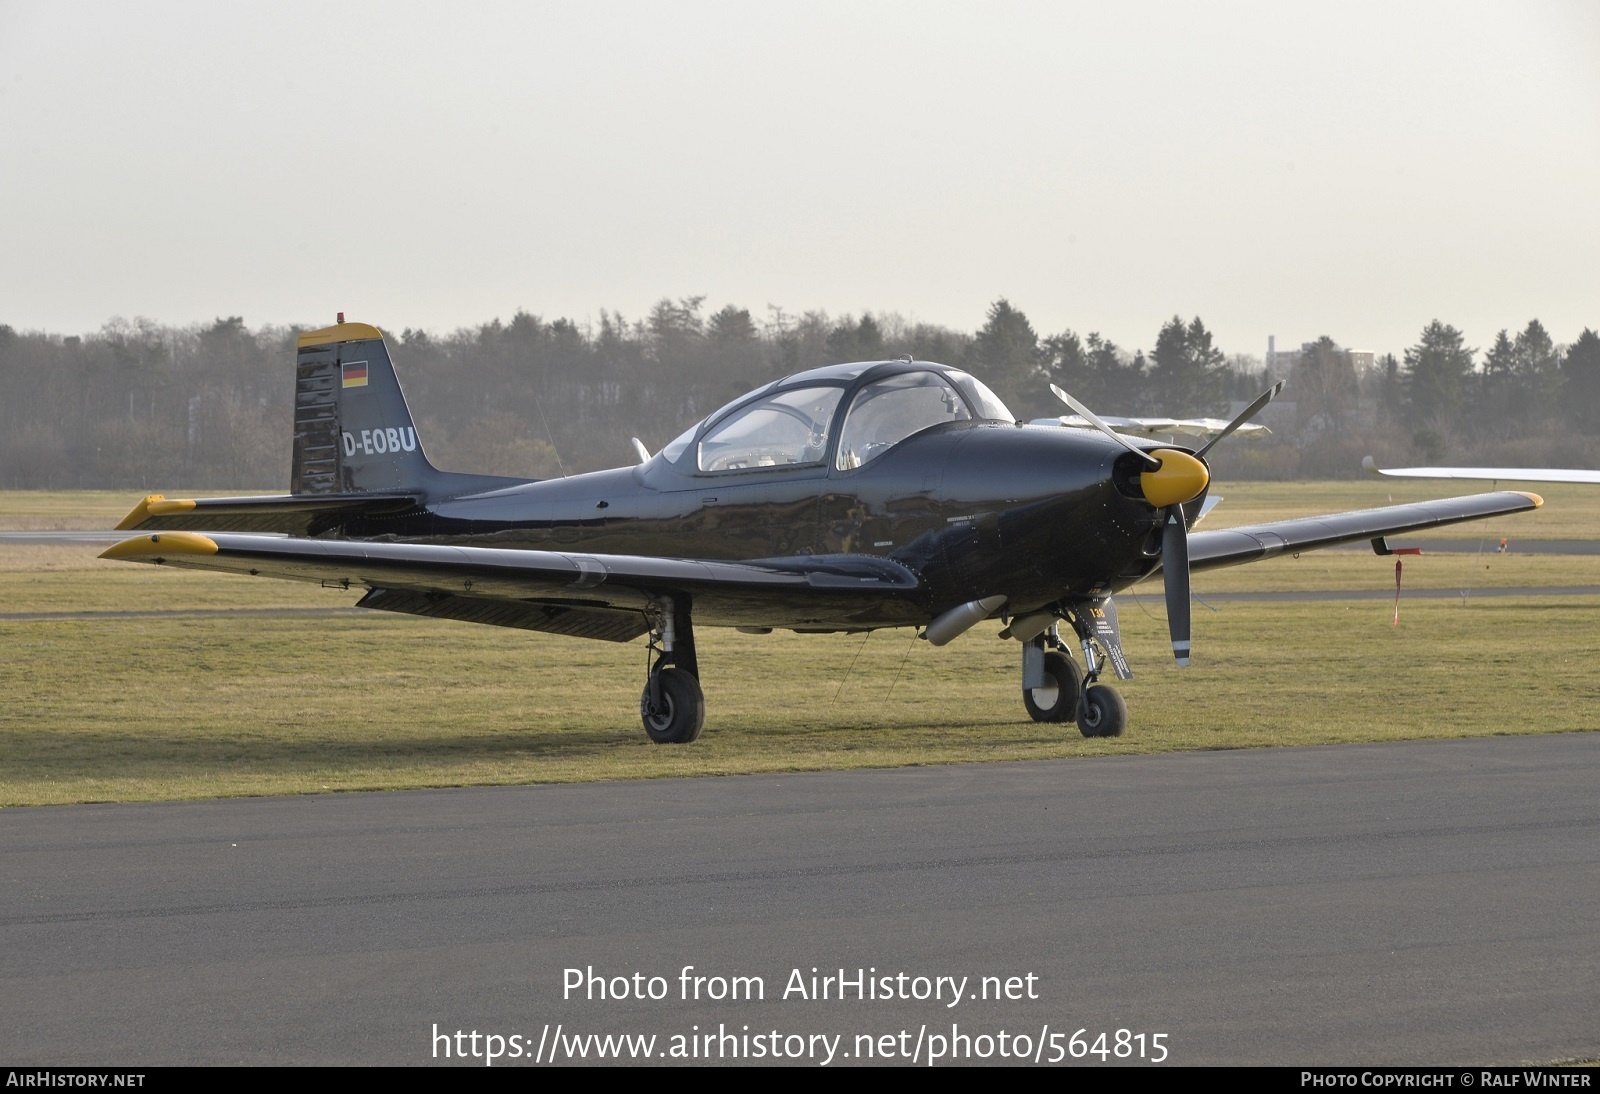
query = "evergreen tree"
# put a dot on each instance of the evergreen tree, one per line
(1437, 370)
(734, 358)
(1391, 391)
(1186, 375)
(852, 341)
(1093, 371)
(1495, 406)
(1067, 366)
(1581, 387)
(1005, 354)
(732, 326)
(1538, 372)
(677, 342)
(1118, 384)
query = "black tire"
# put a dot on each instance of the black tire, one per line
(1057, 701)
(682, 711)
(1103, 712)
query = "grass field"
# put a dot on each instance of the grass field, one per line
(203, 705)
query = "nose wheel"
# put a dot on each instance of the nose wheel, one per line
(1102, 712)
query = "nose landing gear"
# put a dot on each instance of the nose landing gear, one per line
(1054, 689)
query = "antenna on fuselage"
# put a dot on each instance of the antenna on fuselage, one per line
(538, 402)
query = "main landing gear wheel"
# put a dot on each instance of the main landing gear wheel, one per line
(679, 713)
(1103, 712)
(1057, 701)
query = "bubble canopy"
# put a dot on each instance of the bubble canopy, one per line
(858, 411)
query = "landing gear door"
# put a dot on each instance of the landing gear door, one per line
(1101, 616)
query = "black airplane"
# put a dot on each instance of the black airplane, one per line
(846, 498)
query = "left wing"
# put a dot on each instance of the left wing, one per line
(1229, 547)
(592, 596)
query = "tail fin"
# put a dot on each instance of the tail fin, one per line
(353, 432)
(356, 452)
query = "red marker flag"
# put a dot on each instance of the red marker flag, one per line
(1400, 551)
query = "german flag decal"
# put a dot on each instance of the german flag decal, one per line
(355, 374)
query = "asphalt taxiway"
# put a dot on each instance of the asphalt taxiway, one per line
(1424, 902)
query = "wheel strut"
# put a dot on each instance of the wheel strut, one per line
(673, 706)
(1101, 710)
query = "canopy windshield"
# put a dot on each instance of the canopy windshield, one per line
(886, 412)
(790, 427)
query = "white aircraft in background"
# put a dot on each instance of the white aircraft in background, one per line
(1157, 427)
(1513, 474)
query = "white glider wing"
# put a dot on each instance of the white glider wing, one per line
(1507, 474)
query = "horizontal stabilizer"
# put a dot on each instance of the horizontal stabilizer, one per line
(303, 515)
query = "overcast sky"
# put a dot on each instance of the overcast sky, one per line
(1352, 169)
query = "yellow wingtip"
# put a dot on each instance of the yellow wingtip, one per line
(167, 508)
(153, 505)
(140, 511)
(160, 545)
(1538, 502)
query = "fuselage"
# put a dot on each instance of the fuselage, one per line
(975, 507)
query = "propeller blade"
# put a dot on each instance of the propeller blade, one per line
(1089, 416)
(1175, 576)
(1244, 416)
